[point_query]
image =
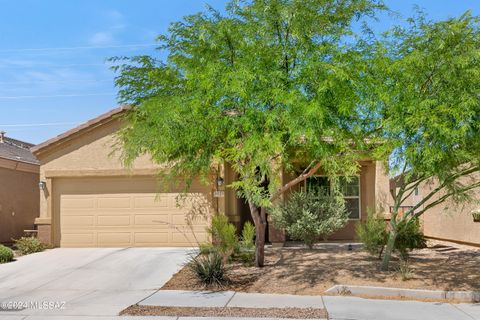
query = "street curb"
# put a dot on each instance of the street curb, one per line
(461, 296)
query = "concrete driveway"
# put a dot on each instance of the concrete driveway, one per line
(83, 282)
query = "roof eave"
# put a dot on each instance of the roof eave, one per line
(84, 127)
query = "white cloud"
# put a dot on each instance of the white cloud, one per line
(102, 38)
(114, 15)
(115, 24)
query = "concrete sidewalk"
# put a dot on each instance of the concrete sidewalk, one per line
(338, 307)
(179, 298)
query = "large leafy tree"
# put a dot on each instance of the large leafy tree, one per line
(427, 100)
(260, 86)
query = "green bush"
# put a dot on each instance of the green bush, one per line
(224, 236)
(373, 234)
(248, 235)
(27, 245)
(307, 216)
(206, 248)
(476, 215)
(209, 269)
(409, 237)
(6, 254)
(246, 248)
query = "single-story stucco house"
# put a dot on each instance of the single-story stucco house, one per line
(19, 189)
(90, 200)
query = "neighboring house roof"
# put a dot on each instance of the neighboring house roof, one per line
(16, 150)
(85, 127)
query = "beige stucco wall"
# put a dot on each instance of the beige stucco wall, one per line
(383, 192)
(91, 153)
(19, 205)
(452, 221)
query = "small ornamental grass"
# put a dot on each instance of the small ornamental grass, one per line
(209, 269)
(27, 245)
(6, 254)
(405, 270)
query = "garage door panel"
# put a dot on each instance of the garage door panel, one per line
(113, 203)
(120, 212)
(70, 222)
(185, 236)
(113, 220)
(179, 219)
(148, 238)
(154, 221)
(114, 239)
(82, 239)
(185, 219)
(78, 202)
(151, 201)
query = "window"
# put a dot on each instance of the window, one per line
(350, 189)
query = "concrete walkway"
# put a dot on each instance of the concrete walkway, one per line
(338, 307)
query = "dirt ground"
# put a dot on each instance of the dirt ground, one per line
(441, 266)
(294, 313)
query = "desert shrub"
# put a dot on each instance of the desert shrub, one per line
(373, 234)
(6, 254)
(405, 270)
(224, 236)
(27, 245)
(209, 269)
(409, 237)
(307, 216)
(476, 215)
(248, 235)
(246, 247)
(206, 248)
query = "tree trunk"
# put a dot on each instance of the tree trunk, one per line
(381, 252)
(260, 246)
(389, 249)
(259, 219)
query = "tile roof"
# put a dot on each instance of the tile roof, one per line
(39, 148)
(13, 149)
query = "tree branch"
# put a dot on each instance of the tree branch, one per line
(448, 180)
(411, 189)
(445, 197)
(308, 172)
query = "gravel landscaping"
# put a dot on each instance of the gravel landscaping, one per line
(294, 313)
(441, 266)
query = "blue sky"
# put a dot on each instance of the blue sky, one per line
(53, 74)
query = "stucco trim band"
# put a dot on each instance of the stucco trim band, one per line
(100, 173)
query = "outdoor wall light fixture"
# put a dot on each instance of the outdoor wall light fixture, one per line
(220, 181)
(42, 185)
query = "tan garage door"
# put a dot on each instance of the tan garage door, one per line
(123, 212)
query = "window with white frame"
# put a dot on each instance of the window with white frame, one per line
(350, 188)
